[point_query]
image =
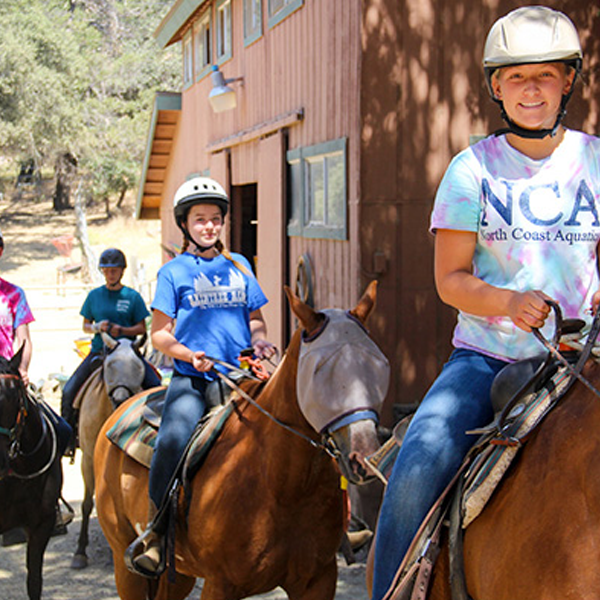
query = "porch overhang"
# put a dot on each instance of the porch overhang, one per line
(163, 125)
(173, 25)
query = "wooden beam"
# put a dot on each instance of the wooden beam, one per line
(257, 131)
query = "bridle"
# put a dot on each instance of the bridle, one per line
(14, 433)
(327, 443)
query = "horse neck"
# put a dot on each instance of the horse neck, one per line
(279, 396)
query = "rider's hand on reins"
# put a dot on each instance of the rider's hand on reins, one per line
(200, 362)
(529, 310)
(264, 349)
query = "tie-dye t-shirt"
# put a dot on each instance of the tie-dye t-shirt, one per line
(537, 225)
(14, 311)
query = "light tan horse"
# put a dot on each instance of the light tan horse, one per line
(121, 376)
(266, 508)
(539, 535)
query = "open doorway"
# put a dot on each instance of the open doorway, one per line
(244, 221)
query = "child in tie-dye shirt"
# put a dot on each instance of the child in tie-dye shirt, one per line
(15, 316)
(516, 223)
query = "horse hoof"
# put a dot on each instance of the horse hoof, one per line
(79, 561)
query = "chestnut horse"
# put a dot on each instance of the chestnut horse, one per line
(266, 507)
(30, 472)
(539, 535)
(121, 376)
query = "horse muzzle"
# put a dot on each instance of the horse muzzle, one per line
(351, 440)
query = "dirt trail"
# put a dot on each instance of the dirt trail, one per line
(31, 261)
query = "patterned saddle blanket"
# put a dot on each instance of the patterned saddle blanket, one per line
(136, 430)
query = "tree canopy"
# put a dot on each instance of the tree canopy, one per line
(78, 78)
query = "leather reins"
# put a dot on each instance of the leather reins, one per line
(15, 432)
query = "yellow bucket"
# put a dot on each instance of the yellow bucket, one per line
(82, 346)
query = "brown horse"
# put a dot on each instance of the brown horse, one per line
(121, 376)
(539, 535)
(266, 508)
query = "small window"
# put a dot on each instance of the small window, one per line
(317, 183)
(280, 9)
(188, 60)
(202, 47)
(223, 27)
(252, 21)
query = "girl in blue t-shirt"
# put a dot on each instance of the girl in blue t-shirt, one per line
(516, 223)
(207, 305)
(117, 310)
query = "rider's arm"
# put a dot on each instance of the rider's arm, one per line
(458, 287)
(22, 336)
(165, 341)
(258, 331)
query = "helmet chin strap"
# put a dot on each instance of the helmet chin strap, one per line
(533, 134)
(193, 241)
(536, 134)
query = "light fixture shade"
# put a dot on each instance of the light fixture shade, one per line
(221, 97)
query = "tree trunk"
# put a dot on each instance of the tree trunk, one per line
(90, 270)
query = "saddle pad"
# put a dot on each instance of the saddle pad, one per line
(488, 468)
(133, 434)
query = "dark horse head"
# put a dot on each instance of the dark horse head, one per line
(12, 409)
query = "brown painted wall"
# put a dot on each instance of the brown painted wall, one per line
(422, 96)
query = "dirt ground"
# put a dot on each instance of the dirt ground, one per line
(33, 262)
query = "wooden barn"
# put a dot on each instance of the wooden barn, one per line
(339, 120)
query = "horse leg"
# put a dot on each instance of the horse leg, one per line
(320, 587)
(36, 546)
(80, 559)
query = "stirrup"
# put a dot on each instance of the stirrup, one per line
(137, 548)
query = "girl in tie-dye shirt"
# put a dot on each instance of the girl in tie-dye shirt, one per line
(516, 223)
(15, 316)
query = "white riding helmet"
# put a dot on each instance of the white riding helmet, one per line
(198, 190)
(532, 34)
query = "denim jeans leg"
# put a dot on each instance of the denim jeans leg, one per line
(184, 407)
(432, 451)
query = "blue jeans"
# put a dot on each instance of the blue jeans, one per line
(184, 407)
(431, 453)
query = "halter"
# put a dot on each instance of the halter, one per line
(14, 433)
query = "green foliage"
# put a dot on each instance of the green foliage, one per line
(79, 76)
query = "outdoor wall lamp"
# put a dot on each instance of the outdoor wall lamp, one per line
(222, 97)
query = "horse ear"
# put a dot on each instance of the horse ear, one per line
(15, 361)
(309, 317)
(367, 303)
(109, 342)
(139, 342)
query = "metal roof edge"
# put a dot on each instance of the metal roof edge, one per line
(162, 101)
(167, 32)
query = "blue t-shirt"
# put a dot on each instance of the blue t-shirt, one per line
(211, 301)
(123, 307)
(537, 224)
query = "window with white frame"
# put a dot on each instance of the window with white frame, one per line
(188, 59)
(202, 45)
(280, 9)
(252, 21)
(317, 185)
(223, 30)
